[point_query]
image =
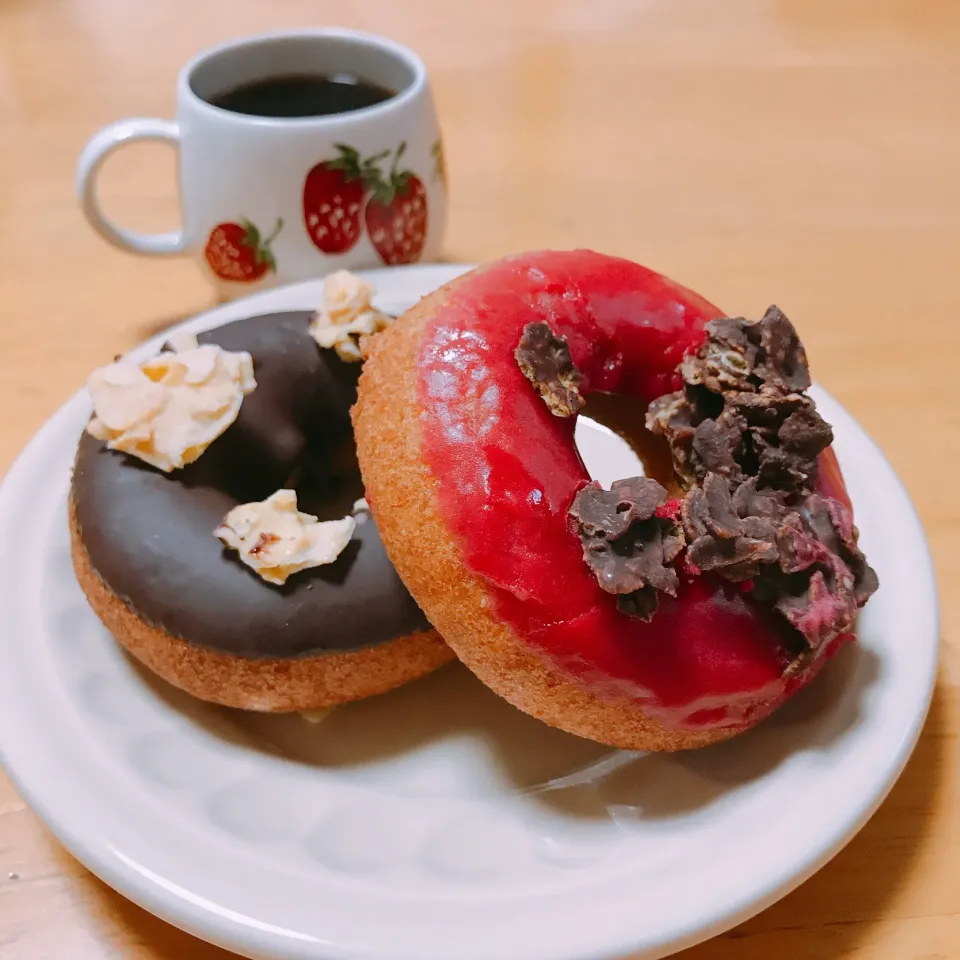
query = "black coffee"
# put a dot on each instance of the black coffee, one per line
(302, 95)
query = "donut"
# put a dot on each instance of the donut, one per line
(674, 610)
(184, 605)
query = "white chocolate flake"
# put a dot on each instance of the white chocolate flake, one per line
(346, 314)
(167, 410)
(276, 540)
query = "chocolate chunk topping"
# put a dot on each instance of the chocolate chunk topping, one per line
(784, 364)
(722, 538)
(626, 544)
(803, 557)
(765, 411)
(545, 361)
(742, 412)
(726, 361)
(745, 440)
(788, 460)
(718, 445)
(742, 355)
(672, 416)
(641, 604)
(822, 578)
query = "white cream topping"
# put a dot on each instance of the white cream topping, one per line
(167, 410)
(276, 540)
(346, 314)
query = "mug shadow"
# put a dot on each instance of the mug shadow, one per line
(572, 776)
(830, 915)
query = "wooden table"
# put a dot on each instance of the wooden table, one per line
(799, 151)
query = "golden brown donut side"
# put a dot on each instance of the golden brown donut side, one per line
(402, 494)
(270, 686)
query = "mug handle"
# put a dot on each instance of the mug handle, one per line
(103, 143)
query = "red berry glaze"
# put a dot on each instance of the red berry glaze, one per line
(507, 471)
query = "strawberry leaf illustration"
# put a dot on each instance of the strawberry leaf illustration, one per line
(262, 253)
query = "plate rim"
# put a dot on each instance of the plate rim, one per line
(214, 926)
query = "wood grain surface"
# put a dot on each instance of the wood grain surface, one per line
(803, 152)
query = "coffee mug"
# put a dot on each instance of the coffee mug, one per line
(300, 153)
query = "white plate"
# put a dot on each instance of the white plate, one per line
(437, 822)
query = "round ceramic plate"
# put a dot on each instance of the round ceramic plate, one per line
(437, 821)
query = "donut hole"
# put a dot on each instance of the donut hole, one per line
(329, 483)
(622, 443)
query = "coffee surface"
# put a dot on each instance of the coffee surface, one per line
(301, 95)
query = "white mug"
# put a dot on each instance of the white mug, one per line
(268, 200)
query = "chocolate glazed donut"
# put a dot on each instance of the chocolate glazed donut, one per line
(145, 554)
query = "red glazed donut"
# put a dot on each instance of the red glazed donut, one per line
(481, 499)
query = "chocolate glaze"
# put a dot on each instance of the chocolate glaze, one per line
(150, 535)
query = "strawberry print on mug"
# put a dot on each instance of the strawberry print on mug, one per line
(343, 195)
(396, 214)
(237, 252)
(333, 196)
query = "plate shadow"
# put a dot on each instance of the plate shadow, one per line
(451, 713)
